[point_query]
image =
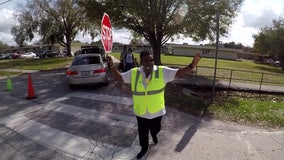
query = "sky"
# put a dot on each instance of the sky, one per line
(254, 14)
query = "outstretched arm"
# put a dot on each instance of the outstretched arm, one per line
(184, 70)
(113, 69)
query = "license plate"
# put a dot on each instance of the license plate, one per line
(85, 73)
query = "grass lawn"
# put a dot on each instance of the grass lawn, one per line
(36, 64)
(261, 110)
(209, 62)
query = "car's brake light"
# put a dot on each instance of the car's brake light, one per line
(100, 70)
(70, 72)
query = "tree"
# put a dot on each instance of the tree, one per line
(3, 46)
(160, 20)
(56, 21)
(137, 39)
(270, 40)
(21, 34)
(262, 42)
(233, 45)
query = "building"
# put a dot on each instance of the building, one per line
(208, 51)
(205, 51)
(118, 47)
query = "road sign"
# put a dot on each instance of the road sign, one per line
(106, 31)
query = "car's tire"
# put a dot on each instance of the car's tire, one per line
(71, 86)
(105, 83)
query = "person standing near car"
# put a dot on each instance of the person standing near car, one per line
(129, 59)
(122, 59)
(148, 85)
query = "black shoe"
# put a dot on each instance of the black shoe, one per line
(141, 153)
(155, 139)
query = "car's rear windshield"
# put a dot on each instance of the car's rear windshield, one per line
(86, 60)
(91, 50)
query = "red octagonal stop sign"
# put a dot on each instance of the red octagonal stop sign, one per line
(106, 31)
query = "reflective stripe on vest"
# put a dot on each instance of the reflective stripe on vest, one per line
(150, 98)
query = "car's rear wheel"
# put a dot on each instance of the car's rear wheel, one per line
(105, 83)
(72, 86)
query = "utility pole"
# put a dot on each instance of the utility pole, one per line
(216, 51)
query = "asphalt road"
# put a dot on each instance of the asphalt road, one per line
(94, 122)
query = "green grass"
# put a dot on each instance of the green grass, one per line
(36, 64)
(262, 110)
(6, 73)
(209, 62)
(266, 112)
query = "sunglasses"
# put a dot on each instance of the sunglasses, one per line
(148, 60)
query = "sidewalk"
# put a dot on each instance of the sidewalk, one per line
(20, 70)
(202, 82)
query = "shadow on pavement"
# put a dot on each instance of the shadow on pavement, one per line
(188, 134)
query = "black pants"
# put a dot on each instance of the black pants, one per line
(146, 125)
(128, 66)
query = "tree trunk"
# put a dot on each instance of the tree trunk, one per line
(68, 44)
(156, 48)
(157, 54)
(282, 62)
(68, 47)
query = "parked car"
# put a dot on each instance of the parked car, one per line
(65, 54)
(277, 62)
(15, 55)
(5, 56)
(48, 53)
(52, 54)
(78, 52)
(2, 56)
(42, 54)
(28, 55)
(87, 69)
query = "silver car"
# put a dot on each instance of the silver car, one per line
(87, 69)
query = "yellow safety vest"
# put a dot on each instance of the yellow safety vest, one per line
(150, 98)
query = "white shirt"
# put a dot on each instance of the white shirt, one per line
(169, 75)
(128, 58)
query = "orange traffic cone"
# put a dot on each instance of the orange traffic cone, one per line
(31, 93)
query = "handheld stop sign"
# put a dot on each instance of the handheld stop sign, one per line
(106, 32)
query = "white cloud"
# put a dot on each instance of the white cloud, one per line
(122, 36)
(258, 14)
(254, 15)
(6, 22)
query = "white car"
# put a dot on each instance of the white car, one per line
(28, 55)
(87, 69)
(277, 62)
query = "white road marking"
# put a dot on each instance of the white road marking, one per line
(251, 151)
(92, 115)
(69, 144)
(262, 133)
(103, 97)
